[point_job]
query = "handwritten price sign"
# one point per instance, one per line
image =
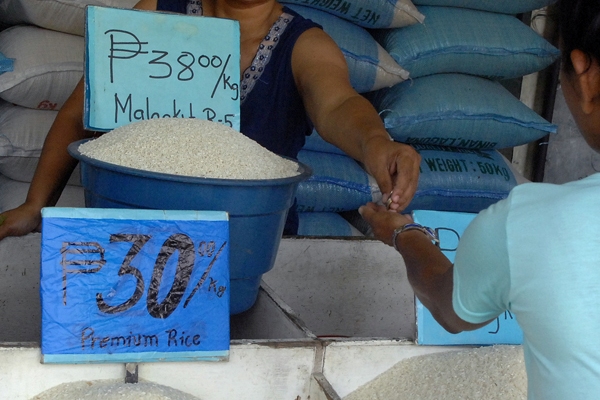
(503, 330)
(141, 65)
(134, 285)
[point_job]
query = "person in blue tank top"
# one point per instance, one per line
(536, 253)
(294, 78)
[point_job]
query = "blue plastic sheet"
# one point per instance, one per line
(134, 285)
(6, 64)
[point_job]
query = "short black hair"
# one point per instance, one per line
(579, 28)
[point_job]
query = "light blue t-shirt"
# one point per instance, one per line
(537, 254)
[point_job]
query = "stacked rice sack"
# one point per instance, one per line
(44, 42)
(452, 109)
(400, 57)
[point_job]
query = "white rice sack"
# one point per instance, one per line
(369, 65)
(47, 66)
(66, 16)
(189, 147)
(13, 194)
(490, 373)
(369, 13)
(22, 135)
(112, 390)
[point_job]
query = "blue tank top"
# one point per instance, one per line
(272, 111)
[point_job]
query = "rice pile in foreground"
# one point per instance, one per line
(485, 373)
(188, 146)
(112, 390)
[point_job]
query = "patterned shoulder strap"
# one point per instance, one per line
(194, 7)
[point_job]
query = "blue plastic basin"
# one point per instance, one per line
(257, 210)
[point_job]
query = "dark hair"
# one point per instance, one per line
(579, 28)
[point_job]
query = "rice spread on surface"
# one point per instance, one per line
(188, 146)
(484, 373)
(111, 389)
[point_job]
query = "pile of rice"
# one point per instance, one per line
(188, 146)
(485, 373)
(112, 390)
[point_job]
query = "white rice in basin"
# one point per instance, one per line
(190, 147)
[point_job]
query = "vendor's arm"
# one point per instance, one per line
(349, 121)
(429, 271)
(54, 168)
(55, 165)
(146, 5)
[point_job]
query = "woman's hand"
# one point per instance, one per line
(383, 221)
(20, 221)
(395, 167)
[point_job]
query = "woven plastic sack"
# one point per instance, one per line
(504, 6)
(22, 135)
(369, 65)
(461, 180)
(66, 16)
(14, 193)
(460, 40)
(465, 180)
(368, 13)
(338, 184)
(458, 110)
(315, 142)
(48, 65)
(325, 224)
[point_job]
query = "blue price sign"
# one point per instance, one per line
(122, 285)
(141, 65)
(503, 330)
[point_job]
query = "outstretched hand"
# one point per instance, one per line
(19, 221)
(395, 167)
(383, 221)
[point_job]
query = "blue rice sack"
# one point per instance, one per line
(338, 183)
(461, 40)
(458, 110)
(464, 180)
(325, 224)
(461, 180)
(503, 6)
(369, 65)
(315, 142)
(368, 13)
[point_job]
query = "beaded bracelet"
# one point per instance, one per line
(418, 227)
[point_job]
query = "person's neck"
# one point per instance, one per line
(255, 16)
